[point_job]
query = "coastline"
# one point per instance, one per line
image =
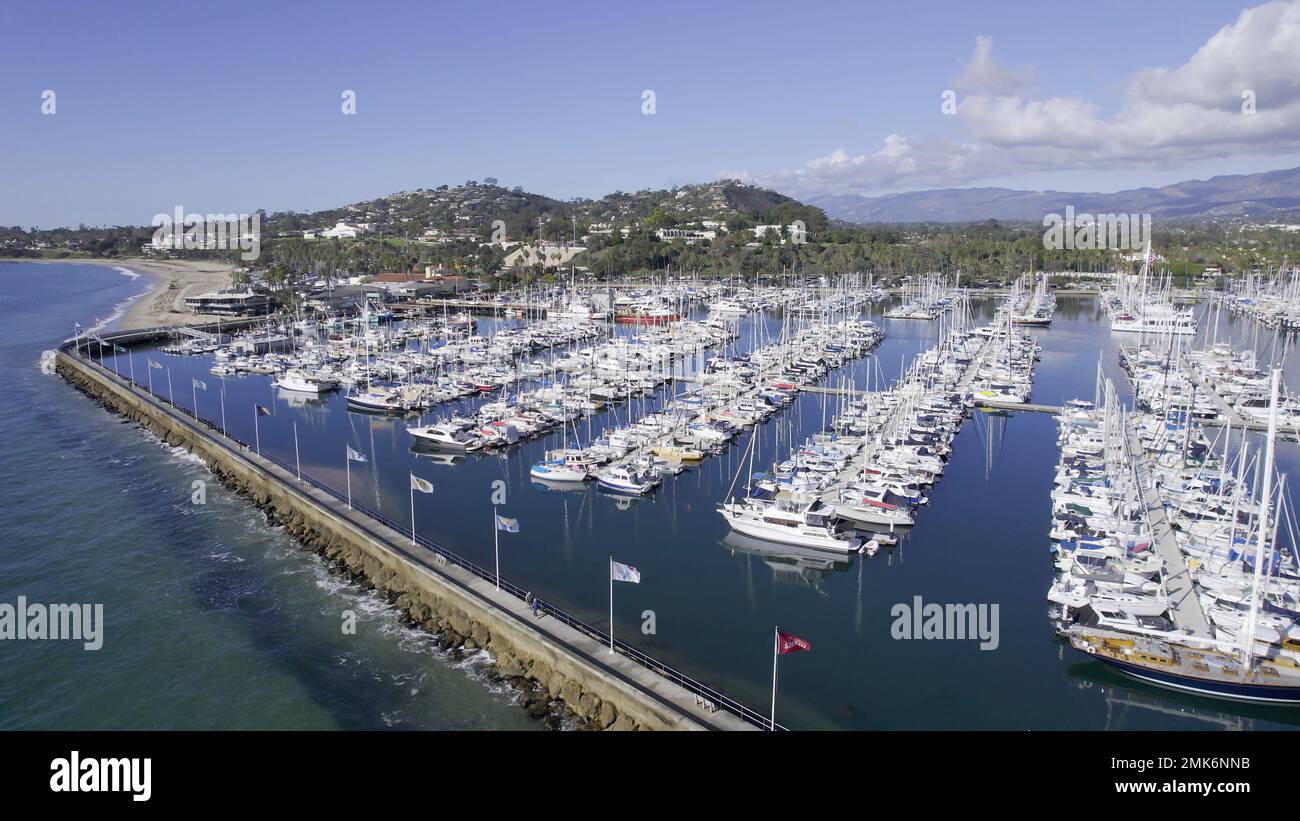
(163, 304)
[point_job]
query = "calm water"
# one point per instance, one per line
(213, 619)
(239, 599)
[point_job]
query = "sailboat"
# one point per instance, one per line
(564, 465)
(1241, 664)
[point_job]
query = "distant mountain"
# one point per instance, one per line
(1237, 195)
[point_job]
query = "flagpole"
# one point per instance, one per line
(776, 646)
(296, 461)
(194, 394)
(130, 360)
(496, 543)
(257, 431)
(150, 370)
(223, 406)
(611, 605)
(411, 489)
(347, 460)
(171, 395)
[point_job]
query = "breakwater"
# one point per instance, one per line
(553, 660)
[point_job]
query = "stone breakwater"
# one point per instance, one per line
(557, 685)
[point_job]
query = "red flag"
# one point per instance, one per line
(791, 644)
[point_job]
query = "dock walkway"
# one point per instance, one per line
(1184, 605)
(695, 706)
(830, 495)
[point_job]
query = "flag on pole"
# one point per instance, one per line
(356, 456)
(198, 383)
(154, 364)
(261, 411)
(620, 572)
(118, 348)
(791, 644)
(422, 485)
(508, 525)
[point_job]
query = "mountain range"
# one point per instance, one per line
(1239, 195)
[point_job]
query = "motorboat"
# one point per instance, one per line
(453, 435)
(303, 382)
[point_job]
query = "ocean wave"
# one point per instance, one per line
(120, 309)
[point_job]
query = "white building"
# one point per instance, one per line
(687, 234)
(345, 230)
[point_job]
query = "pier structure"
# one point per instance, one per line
(606, 682)
(1184, 605)
(830, 495)
(762, 381)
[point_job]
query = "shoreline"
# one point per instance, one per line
(163, 304)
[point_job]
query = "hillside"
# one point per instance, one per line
(468, 210)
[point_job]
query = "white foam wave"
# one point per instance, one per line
(120, 309)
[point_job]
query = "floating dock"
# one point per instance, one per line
(1184, 605)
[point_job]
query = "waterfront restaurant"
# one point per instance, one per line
(230, 302)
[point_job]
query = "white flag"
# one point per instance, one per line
(422, 485)
(153, 364)
(356, 456)
(200, 385)
(620, 572)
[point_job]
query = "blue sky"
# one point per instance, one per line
(235, 106)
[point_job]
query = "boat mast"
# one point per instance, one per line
(1265, 489)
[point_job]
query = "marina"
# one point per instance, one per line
(967, 354)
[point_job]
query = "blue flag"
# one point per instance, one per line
(508, 525)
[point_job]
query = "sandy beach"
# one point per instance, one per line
(174, 280)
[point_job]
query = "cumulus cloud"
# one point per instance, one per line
(1169, 117)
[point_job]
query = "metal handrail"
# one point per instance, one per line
(697, 688)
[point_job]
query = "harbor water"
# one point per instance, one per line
(215, 619)
(212, 619)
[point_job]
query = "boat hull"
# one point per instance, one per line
(780, 535)
(1236, 691)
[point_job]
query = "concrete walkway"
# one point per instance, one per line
(1185, 605)
(694, 711)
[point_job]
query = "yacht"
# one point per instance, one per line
(790, 518)
(622, 479)
(377, 400)
(454, 435)
(296, 380)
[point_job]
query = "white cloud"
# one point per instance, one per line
(1169, 117)
(985, 74)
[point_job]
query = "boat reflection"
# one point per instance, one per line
(1122, 692)
(625, 501)
(789, 563)
(558, 487)
(435, 454)
(448, 459)
(299, 400)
